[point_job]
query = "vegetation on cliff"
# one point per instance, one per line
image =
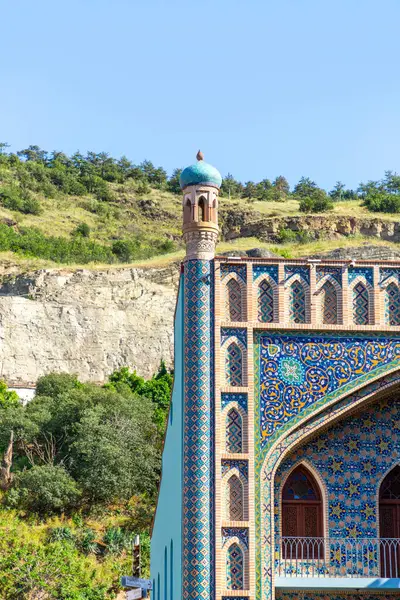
(79, 477)
(94, 208)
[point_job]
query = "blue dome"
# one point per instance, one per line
(200, 173)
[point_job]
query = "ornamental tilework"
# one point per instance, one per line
(233, 301)
(298, 370)
(264, 468)
(291, 270)
(271, 270)
(234, 366)
(234, 499)
(240, 465)
(385, 273)
(360, 304)
(297, 303)
(227, 398)
(197, 465)
(240, 270)
(239, 333)
(234, 568)
(392, 304)
(351, 459)
(329, 303)
(234, 429)
(335, 272)
(231, 532)
(308, 595)
(366, 272)
(265, 302)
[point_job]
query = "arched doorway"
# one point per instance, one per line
(389, 523)
(302, 530)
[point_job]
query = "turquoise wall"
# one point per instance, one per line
(166, 541)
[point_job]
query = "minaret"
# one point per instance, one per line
(200, 184)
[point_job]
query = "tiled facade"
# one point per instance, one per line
(283, 359)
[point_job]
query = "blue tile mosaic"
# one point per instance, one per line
(240, 270)
(335, 272)
(297, 370)
(227, 398)
(366, 272)
(240, 465)
(198, 458)
(385, 273)
(231, 532)
(291, 270)
(239, 333)
(271, 270)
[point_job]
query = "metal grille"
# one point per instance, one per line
(337, 557)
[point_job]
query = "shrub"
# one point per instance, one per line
(7, 397)
(82, 229)
(10, 197)
(31, 206)
(316, 204)
(117, 540)
(46, 489)
(86, 542)
(61, 534)
(382, 202)
(287, 236)
(55, 384)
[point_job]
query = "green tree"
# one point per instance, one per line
(173, 184)
(8, 398)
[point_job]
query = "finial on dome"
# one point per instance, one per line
(200, 155)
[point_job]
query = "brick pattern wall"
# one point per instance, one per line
(313, 275)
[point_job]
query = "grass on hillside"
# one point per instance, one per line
(151, 217)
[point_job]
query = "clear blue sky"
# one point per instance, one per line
(292, 87)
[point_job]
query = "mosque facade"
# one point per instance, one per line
(281, 462)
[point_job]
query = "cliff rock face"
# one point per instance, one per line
(248, 223)
(86, 322)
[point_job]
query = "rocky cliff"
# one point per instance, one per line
(247, 223)
(86, 322)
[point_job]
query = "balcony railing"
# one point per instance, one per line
(337, 557)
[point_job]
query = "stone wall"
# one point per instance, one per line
(86, 322)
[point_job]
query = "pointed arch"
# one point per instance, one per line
(234, 365)
(297, 301)
(234, 499)
(389, 523)
(302, 515)
(233, 300)
(360, 304)
(234, 432)
(234, 567)
(329, 303)
(265, 301)
(202, 209)
(392, 304)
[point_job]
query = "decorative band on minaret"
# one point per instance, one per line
(200, 184)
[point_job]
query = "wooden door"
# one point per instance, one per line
(389, 524)
(301, 517)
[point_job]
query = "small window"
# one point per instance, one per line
(202, 209)
(301, 516)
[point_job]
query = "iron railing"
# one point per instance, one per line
(337, 557)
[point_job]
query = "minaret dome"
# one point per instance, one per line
(200, 184)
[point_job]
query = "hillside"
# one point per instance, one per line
(92, 210)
